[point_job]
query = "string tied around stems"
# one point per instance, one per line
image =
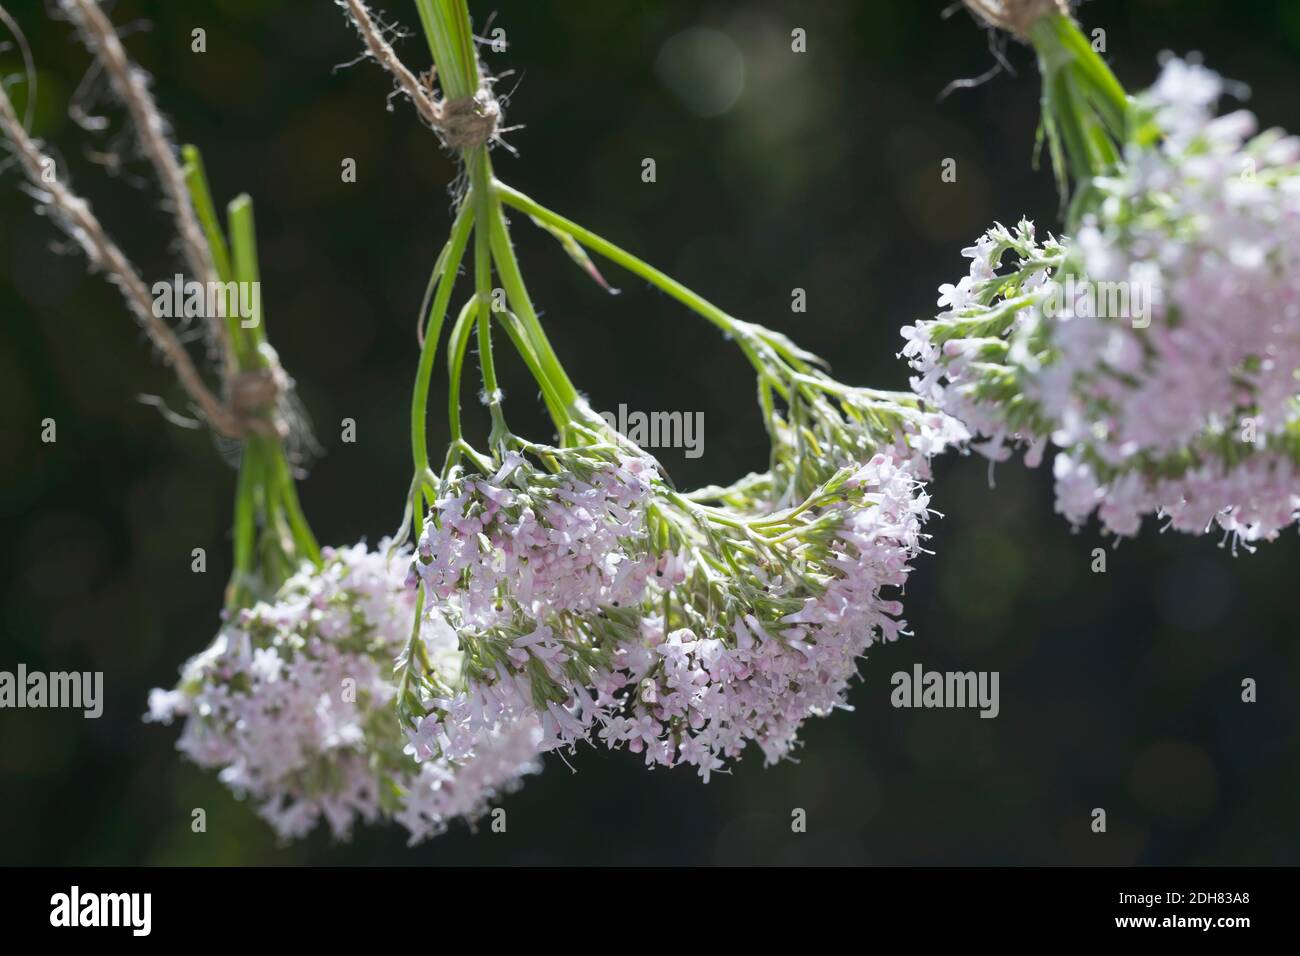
(469, 121)
(254, 400)
(463, 122)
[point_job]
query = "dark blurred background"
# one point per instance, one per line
(775, 170)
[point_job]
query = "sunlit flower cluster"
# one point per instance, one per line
(588, 595)
(293, 702)
(515, 564)
(1159, 349)
(763, 626)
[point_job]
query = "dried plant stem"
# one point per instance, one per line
(382, 51)
(131, 85)
(75, 216)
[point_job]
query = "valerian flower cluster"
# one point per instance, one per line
(293, 703)
(590, 596)
(1158, 349)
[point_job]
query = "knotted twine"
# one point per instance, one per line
(254, 399)
(469, 121)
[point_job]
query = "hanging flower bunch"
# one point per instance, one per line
(293, 703)
(590, 595)
(1158, 348)
(605, 604)
(586, 592)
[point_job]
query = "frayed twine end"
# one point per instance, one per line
(1016, 17)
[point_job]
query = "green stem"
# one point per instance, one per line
(196, 180)
(447, 28)
(455, 251)
(243, 240)
(695, 302)
(515, 330)
(1104, 89)
(517, 293)
(730, 325)
(481, 195)
(245, 529)
(1086, 113)
(303, 537)
(451, 40)
(457, 346)
(266, 496)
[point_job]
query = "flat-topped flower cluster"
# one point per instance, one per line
(588, 594)
(1159, 348)
(293, 702)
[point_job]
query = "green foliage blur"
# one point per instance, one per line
(775, 171)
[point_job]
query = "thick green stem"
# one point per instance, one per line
(1105, 90)
(243, 241)
(1086, 113)
(448, 31)
(265, 492)
(447, 28)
